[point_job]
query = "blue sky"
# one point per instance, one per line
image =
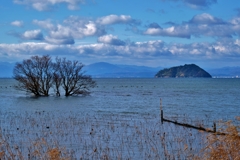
(140, 32)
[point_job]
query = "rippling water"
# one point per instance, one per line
(200, 98)
(119, 118)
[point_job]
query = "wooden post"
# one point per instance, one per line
(161, 110)
(162, 116)
(214, 127)
(160, 103)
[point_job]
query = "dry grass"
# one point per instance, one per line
(38, 150)
(224, 147)
(56, 136)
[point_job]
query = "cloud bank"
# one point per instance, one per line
(75, 28)
(109, 48)
(200, 25)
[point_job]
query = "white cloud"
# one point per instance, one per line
(75, 27)
(48, 4)
(59, 40)
(200, 25)
(17, 52)
(72, 28)
(32, 35)
(60, 32)
(173, 31)
(113, 19)
(72, 31)
(110, 39)
(237, 42)
(17, 23)
(205, 18)
(40, 6)
(46, 24)
(197, 4)
(153, 31)
(235, 22)
(90, 29)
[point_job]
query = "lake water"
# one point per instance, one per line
(200, 98)
(120, 118)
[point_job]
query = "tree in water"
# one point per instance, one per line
(38, 74)
(34, 75)
(73, 79)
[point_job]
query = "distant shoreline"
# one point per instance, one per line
(215, 77)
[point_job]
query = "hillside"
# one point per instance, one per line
(107, 70)
(188, 70)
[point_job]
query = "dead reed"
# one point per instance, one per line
(46, 135)
(226, 146)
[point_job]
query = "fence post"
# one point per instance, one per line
(214, 127)
(162, 116)
(161, 110)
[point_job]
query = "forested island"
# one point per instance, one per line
(188, 70)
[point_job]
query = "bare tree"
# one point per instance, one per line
(57, 83)
(57, 80)
(34, 75)
(38, 74)
(73, 80)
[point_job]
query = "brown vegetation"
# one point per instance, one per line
(73, 136)
(224, 147)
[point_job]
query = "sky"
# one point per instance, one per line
(155, 33)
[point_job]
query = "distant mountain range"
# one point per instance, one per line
(107, 70)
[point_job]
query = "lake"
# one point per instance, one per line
(194, 97)
(120, 117)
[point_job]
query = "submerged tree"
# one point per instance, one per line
(34, 75)
(72, 77)
(38, 74)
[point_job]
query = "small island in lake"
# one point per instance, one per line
(188, 70)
